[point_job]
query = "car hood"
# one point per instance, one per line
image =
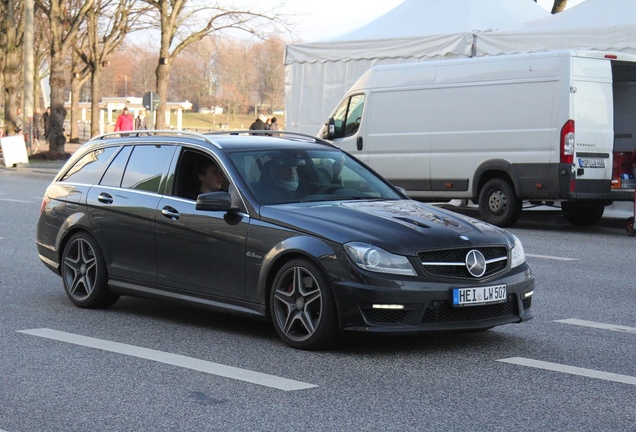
(403, 226)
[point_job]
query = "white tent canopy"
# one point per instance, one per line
(318, 74)
(607, 25)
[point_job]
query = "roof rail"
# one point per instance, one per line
(274, 133)
(207, 135)
(140, 133)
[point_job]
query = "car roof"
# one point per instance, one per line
(225, 140)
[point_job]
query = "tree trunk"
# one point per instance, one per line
(57, 140)
(12, 64)
(163, 78)
(76, 85)
(559, 6)
(95, 97)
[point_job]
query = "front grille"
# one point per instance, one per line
(383, 316)
(444, 312)
(452, 262)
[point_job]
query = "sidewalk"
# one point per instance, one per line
(43, 167)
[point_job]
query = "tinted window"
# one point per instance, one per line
(116, 169)
(89, 168)
(146, 167)
(193, 165)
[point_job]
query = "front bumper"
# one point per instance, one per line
(427, 306)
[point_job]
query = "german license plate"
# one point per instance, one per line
(479, 295)
(591, 163)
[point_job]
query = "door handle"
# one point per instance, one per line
(170, 213)
(105, 198)
(359, 143)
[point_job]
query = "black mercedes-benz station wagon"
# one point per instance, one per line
(286, 228)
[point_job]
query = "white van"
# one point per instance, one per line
(498, 130)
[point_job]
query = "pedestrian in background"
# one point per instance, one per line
(38, 123)
(45, 120)
(260, 123)
(141, 122)
(124, 121)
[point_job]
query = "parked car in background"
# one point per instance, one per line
(299, 233)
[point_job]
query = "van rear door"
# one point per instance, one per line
(593, 113)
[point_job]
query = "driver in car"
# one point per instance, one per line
(286, 185)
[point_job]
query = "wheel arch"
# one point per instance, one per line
(496, 168)
(72, 225)
(310, 248)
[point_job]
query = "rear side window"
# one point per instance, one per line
(147, 166)
(90, 167)
(116, 169)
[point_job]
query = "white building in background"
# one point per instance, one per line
(110, 108)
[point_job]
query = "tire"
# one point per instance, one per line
(582, 216)
(498, 204)
(629, 226)
(84, 273)
(302, 307)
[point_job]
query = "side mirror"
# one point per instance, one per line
(331, 129)
(215, 201)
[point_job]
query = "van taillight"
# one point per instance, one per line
(567, 142)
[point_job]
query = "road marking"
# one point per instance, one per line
(14, 200)
(556, 367)
(597, 325)
(552, 257)
(173, 359)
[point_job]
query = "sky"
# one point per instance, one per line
(325, 19)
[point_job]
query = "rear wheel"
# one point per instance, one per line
(582, 215)
(302, 307)
(498, 203)
(84, 273)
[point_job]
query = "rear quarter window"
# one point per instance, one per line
(90, 167)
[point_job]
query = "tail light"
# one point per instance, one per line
(567, 142)
(45, 202)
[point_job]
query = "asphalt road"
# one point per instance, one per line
(146, 365)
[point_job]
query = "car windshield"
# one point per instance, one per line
(277, 176)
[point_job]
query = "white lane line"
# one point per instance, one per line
(552, 257)
(572, 370)
(173, 359)
(597, 325)
(14, 200)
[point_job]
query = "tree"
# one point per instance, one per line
(559, 6)
(12, 32)
(107, 24)
(181, 25)
(65, 20)
(268, 59)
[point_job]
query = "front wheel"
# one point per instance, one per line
(84, 273)
(582, 216)
(302, 307)
(498, 203)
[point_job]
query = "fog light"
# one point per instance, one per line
(387, 306)
(528, 294)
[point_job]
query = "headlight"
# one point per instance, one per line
(518, 254)
(378, 260)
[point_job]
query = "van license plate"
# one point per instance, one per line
(479, 295)
(591, 163)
